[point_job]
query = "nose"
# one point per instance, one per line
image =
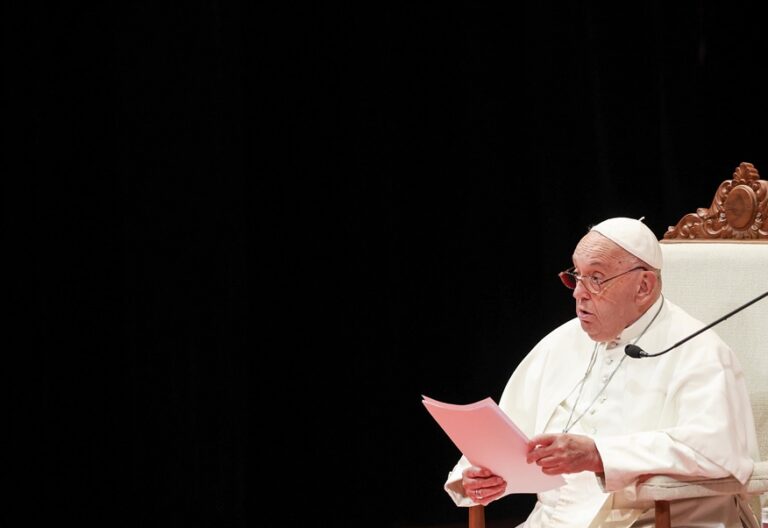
(580, 291)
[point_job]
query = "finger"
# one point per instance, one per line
(495, 491)
(477, 495)
(556, 469)
(486, 495)
(549, 463)
(494, 484)
(538, 453)
(541, 440)
(477, 472)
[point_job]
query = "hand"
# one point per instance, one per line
(481, 485)
(564, 453)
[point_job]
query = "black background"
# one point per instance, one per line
(246, 240)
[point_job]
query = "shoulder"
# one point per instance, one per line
(677, 325)
(681, 323)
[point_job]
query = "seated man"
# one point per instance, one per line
(603, 419)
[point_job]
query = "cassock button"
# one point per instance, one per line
(592, 411)
(609, 360)
(594, 430)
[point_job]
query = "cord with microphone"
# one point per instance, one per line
(636, 352)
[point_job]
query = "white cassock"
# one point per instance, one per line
(683, 413)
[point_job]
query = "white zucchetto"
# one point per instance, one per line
(634, 236)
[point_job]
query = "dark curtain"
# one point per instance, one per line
(249, 238)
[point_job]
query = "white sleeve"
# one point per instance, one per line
(454, 487)
(627, 457)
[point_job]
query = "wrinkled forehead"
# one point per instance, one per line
(595, 249)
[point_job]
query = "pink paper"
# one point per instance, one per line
(489, 438)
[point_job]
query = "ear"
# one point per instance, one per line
(647, 287)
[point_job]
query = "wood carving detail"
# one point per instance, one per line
(738, 211)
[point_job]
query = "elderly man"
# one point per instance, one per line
(603, 419)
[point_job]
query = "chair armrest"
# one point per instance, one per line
(661, 487)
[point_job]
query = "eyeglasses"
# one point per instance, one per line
(591, 283)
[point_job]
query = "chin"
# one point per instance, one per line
(590, 331)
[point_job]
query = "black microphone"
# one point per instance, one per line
(636, 352)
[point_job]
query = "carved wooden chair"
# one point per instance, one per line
(715, 260)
